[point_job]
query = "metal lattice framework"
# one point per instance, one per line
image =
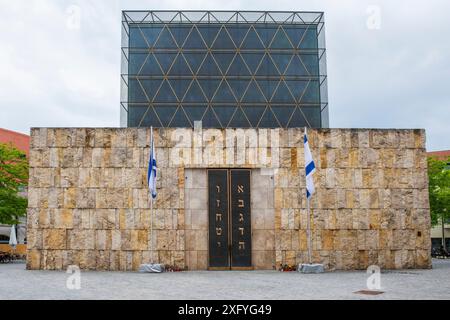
(227, 69)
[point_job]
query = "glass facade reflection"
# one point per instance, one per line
(226, 69)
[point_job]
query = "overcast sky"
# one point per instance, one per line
(388, 61)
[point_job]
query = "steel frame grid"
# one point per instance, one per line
(193, 18)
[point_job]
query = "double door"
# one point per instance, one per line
(229, 219)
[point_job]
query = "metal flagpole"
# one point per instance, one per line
(308, 230)
(151, 229)
(151, 198)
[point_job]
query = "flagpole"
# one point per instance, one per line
(308, 230)
(151, 229)
(151, 202)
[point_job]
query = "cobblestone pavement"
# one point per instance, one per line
(18, 283)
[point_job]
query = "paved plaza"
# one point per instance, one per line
(18, 283)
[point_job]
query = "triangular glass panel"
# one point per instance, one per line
(281, 60)
(296, 68)
(268, 120)
(165, 40)
(151, 67)
(180, 119)
(267, 68)
(210, 120)
(208, 32)
(136, 61)
(312, 114)
(297, 120)
(149, 119)
(253, 114)
(136, 38)
(252, 60)
(209, 67)
(268, 87)
(238, 67)
(194, 94)
(237, 33)
(253, 94)
(180, 86)
(194, 60)
(223, 60)
(252, 40)
(180, 33)
(239, 120)
(224, 93)
(309, 40)
(297, 87)
(223, 40)
(165, 113)
(281, 41)
(311, 62)
(195, 113)
(143, 36)
(224, 113)
(165, 60)
(165, 94)
(295, 34)
(209, 86)
(179, 67)
(151, 86)
(266, 34)
(194, 40)
(135, 92)
(312, 93)
(238, 87)
(282, 95)
(283, 114)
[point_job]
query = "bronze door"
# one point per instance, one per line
(229, 219)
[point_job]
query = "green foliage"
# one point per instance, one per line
(13, 177)
(439, 189)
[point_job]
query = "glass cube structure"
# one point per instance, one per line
(226, 69)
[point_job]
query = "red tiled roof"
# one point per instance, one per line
(19, 140)
(440, 155)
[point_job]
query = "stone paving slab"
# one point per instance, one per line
(18, 283)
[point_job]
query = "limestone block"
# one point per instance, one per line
(81, 239)
(34, 238)
(404, 158)
(116, 239)
(85, 198)
(423, 259)
(33, 259)
(102, 258)
(259, 197)
(69, 177)
(107, 218)
(419, 138)
(118, 157)
(54, 239)
(406, 138)
(369, 158)
(420, 198)
(63, 218)
(103, 239)
(363, 138)
(70, 198)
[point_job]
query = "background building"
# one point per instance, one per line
(225, 68)
(22, 142)
(437, 231)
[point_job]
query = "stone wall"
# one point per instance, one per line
(89, 203)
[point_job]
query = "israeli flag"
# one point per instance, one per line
(151, 175)
(310, 168)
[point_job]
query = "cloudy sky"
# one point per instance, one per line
(388, 61)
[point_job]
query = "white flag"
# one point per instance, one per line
(310, 168)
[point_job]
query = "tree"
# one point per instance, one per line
(13, 178)
(439, 191)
